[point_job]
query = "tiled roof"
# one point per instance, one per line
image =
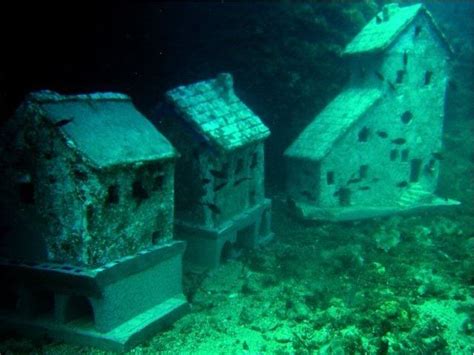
(105, 127)
(385, 27)
(213, 110)
(336, 118)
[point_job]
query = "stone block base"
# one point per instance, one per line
(352, 213)
(207, 247)
(113, 307)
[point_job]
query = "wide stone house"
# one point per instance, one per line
(220, 201)
(87, 254)
(376, 148)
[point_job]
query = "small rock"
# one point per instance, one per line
(283, 334)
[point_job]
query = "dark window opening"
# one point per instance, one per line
(254, 162)
(364, 134)
(406, 117)
(27, 193)
(405, 153)
(81, 175)
(330, 177)
(344, 196)
(428, 76)
(43, 303)
(417, 31)
(415, 170)
(363, 170)
(393, 154)
(430, 167)
(400, 76)
(155, 237)
(225, 168)
(252, 197)
(138, 191)
(79, 308)
(89, 213)
(112, 195)
(158, 182)
(239, 166)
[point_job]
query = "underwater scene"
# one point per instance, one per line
(231, 177)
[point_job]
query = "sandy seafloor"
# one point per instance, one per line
(391, 285)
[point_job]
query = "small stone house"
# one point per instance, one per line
(220, 174)
(87, 209)
(376, 148)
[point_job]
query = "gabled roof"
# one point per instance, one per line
(385, 27)
(214, 111)
(332, 123)
(105, 127)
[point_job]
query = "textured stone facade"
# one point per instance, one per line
(93, 173)
(377, 145)
(220, 173)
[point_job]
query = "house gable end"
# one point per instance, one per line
(384, 29)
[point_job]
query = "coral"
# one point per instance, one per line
(388, 236)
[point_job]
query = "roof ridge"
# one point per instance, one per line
(386, 26)
(47, 96)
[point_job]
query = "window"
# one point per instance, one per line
(330, 177)
(239, 166)
(428, 76)
(364, 134)
(155, 237)
(138, 191)
(417, 31)
(406, 117)
(344, 196)
(112, 195)
(254, 161)
(400, 76)
(393, 154)
(415, 168)
(405, 153)
(158, 182)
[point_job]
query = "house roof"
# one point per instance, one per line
(214, 111)
(104, 127)
(385, 27)
(336, 118)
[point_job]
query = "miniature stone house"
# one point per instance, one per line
(87, 221)
(376, 148)
(219, 196)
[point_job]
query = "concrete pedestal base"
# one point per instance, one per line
(207, 247)
(351, 213)
(113, 307)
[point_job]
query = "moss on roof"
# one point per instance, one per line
(385, 27)
(336, 118)
(106, 128)
(213, 110)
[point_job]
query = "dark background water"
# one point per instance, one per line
(284, 56)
